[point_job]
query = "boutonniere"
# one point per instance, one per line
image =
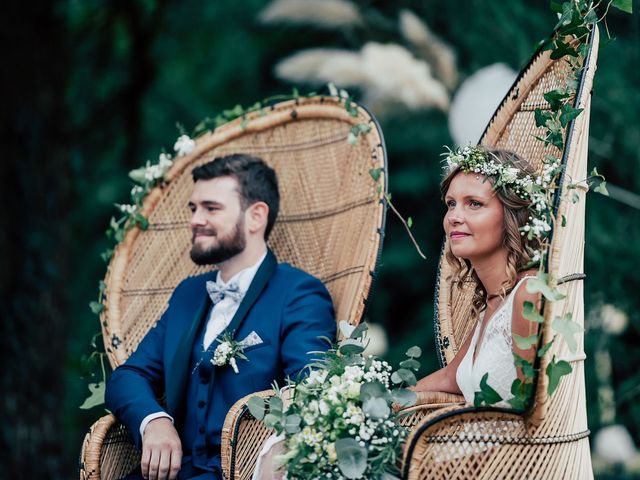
(227, 352)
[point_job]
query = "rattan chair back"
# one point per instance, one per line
(551, 440)
(330, 223)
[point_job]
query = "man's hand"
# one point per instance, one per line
(161, 450)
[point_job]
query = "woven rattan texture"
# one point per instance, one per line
(109, 447)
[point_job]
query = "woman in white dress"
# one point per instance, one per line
(487, 194)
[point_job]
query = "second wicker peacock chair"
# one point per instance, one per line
(331, 224)
(550, 440)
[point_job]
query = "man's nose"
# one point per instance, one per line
(197, 218)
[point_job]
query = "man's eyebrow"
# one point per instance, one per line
(206, 203)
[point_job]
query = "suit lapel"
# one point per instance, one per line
(257, 286)
(180, 364)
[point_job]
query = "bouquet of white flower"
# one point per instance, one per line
(340, 422)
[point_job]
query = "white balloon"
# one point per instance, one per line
(614, 444)
(476, 101)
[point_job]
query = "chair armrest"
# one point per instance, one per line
(107, 451)
(457, 434)
(426, 403)
(242, 439)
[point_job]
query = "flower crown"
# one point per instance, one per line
(538, 190)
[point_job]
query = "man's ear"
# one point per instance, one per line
(257, 217)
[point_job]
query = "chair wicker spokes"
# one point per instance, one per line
(330, 224)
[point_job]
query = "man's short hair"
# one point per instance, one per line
(256, 180)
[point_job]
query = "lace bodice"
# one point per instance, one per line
(495, 354)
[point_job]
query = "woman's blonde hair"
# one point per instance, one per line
(516, 214)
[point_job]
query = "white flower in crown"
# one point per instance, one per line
(510, 174)
(227, 352)
(184, 145)
(165, 161)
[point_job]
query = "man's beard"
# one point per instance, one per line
(226, 248)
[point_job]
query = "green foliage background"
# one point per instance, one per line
(93, 88)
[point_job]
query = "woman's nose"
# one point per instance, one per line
(455, 216)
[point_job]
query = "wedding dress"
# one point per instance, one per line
(495, 354)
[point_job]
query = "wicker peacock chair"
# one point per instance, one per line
(550, 440)
(331, 225)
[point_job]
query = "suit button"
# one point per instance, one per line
(201, 403)
(201, 429)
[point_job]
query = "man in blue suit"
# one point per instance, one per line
(276, 312)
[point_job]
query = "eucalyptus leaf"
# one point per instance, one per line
(410, 364)
(373, 389)
(525, 343)
(275, 404)
(256, 407)
(403, 375)
(359, 331)
(566, 327)
(292, 423)
(376, 408)
(271, 420)
(350, 347)
(352, 458)
(414, 352)
(404, 397)
(96, 397)
(555, 371)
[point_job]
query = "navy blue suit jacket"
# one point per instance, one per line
(288, 308)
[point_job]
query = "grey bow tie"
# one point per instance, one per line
(218, 292)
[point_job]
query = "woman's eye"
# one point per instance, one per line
(451, 204)
(475, 204)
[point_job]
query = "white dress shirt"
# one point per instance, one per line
(219, 318)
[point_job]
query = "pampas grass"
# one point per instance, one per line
(389, 76)
(435, 51)
(319, 13)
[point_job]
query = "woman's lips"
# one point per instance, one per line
(458, 235)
